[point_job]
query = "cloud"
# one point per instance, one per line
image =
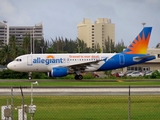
(6, 8)
(152, 1)
(12, 14)
(60, 17)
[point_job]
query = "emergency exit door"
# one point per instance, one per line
(121, 59)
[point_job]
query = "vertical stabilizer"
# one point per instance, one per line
(140, 43)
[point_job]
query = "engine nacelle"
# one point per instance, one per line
(58, 72)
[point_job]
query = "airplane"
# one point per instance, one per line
(59, 65)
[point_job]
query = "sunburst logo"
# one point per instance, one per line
(139, 45)
(50, 56)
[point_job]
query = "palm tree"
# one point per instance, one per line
(5, 55)
(26, 44)
(12, 41)
(12, 46)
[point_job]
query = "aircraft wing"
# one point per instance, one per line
(143, 57)
(80, 65)
(83, 63)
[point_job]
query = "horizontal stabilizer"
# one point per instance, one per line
(143, 57)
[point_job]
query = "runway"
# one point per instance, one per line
(83, 91)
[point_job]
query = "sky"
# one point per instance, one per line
(61, 17)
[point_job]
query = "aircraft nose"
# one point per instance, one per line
(10, 66)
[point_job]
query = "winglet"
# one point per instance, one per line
(140, 43)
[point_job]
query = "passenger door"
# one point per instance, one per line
(29, 60)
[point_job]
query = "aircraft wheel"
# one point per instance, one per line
(29, 77)
(80, 77)
(76, 77)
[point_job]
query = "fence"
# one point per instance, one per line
(128, 106)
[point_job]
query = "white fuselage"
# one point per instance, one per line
(45, 62)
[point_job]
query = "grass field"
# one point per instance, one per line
(114, 82)
(90, 107)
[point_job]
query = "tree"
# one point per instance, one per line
(81, 46)
(108, 46)
(13, 48)
(5, 55)
(119, 47)
(97, 48)
(26, 44)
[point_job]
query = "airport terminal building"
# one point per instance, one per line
(150, 65)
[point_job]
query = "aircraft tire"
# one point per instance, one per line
(80, 77)
(29, 77)
(76, 77)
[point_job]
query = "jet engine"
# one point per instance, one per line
(58, 72)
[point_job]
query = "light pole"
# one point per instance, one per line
(33, 40)
(22, 103)
(41, 49)
(31, 48)
(32, 83)
(30, 42)
(32, 107)
(143, 24)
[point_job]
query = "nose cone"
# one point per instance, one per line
(10, 66)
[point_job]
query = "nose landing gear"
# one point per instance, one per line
(30, 76)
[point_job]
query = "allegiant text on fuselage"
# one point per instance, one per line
(47, 61)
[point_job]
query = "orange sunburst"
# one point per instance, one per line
(50, 56)
(139, 46)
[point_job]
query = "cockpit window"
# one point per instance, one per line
(18, 59)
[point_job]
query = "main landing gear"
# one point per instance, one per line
(78, 77)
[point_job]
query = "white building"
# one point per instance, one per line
(35, 32)
(4, 34)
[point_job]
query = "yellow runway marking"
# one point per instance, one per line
(120, 80)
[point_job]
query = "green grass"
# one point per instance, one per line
(88, 107)
(115, 82)
(91, 107)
